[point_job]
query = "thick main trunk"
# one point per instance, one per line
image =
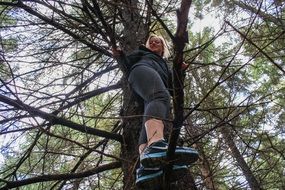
(134, 33)
(131, 129)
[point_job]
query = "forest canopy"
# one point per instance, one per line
(68, 119)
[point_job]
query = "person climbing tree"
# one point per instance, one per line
(150, 78)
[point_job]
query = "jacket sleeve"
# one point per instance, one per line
(127, 61)
(123, 61)
(170, 83)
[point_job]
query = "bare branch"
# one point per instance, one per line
(55, 177)
(57, 120)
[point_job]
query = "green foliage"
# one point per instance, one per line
(6, 44)
(257, 88)
(216, 3)
(9, 45)
(200, 6)
(5, 16)
(6, 20)
(4, 70)
(230, 87)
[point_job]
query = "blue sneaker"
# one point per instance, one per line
(152, 178)
(155, 155)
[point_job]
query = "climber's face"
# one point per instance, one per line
(156, 45)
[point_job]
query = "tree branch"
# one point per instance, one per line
(160, 20)
(181, 38)
(57, 25)
(263, 15)
(57, 120)
(260, 49)
(67, 176)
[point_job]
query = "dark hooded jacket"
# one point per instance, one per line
(144, 56)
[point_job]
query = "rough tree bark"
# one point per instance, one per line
(203, 162)
(229, 140)
(134, 33)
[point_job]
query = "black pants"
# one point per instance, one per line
(147, 83)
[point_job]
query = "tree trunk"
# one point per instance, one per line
(131, 129)
(228, 137)
(206, 171)
(186, 183)
(265, 16)
(135, 33)
(203, 162)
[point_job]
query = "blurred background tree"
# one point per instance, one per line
(68, 119)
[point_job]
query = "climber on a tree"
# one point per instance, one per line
(151, 79)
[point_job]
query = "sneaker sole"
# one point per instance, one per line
(181, 157)
(154, 181)
(150, 181)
